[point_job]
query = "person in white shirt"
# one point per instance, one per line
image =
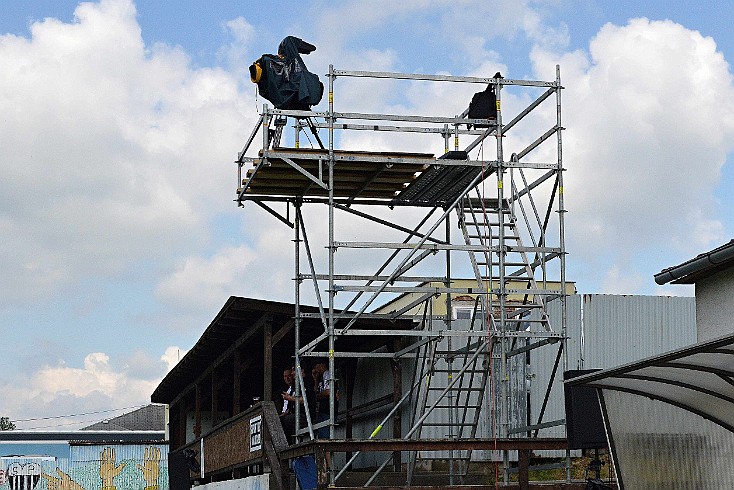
(288, 378)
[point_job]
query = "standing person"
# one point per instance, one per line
(307, 400)
(289, 377)
(287, 416)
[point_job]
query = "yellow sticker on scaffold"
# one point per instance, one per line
(499, 184)
(331, 353)
(560, 190)
(498, 105)
(331, 97)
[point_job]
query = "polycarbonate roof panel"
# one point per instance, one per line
(699, 378)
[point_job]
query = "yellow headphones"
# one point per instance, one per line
(256, 72)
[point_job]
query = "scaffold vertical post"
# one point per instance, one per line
(332, 251)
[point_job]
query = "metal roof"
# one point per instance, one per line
(150, 417)
(698, 378)
(699, 267)
(82, 436)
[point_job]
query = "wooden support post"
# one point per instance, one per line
(215, 400)
(322, 469)
(523, 463)
(397, 394)
(351, 372)
(274, 441)
(268, 360)
(181, 423)
(237, 387)
(197, 412)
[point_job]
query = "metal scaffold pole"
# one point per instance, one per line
(332, 251)
(562, 240)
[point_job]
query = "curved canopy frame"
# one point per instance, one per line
(698, 378)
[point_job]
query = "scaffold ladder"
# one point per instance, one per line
(451, 398)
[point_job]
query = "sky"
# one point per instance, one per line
(120, 122)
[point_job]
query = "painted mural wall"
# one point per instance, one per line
(89, 467)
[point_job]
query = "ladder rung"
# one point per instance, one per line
(457, 460)
(454, 390)
(528, 305)
(494, 237)
(475, 373)
(482, 223)
(470, 371)
(462, 407)
(518, 278)
(507, 264)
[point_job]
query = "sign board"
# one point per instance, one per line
(256, 433)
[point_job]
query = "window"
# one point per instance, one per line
(462, 312)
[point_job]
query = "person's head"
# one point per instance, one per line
(288, 376)
(318, 371)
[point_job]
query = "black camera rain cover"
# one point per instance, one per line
(284, 79)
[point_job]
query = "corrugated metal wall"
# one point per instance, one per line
(606, 331)
(542, 361)
(603, 330)
(622, 329)
(374, 379)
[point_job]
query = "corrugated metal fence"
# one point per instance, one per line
(607, 331)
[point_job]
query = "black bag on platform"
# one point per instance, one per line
(484, 104)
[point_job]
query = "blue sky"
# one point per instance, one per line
(121, 120)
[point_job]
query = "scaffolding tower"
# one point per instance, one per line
(487, 210)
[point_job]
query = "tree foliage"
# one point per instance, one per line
(6, 424)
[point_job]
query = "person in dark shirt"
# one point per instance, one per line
(322, 378)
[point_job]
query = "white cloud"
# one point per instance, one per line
(238, 52)
(650, 118)
(204, 283)
(619, 281)
(114, 153)
(63, 390)
(172, 355)
(263, 271)
(686, 290)
(118, 154)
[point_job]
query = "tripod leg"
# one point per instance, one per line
(314, 132)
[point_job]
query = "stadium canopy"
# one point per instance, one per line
(670, 418)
